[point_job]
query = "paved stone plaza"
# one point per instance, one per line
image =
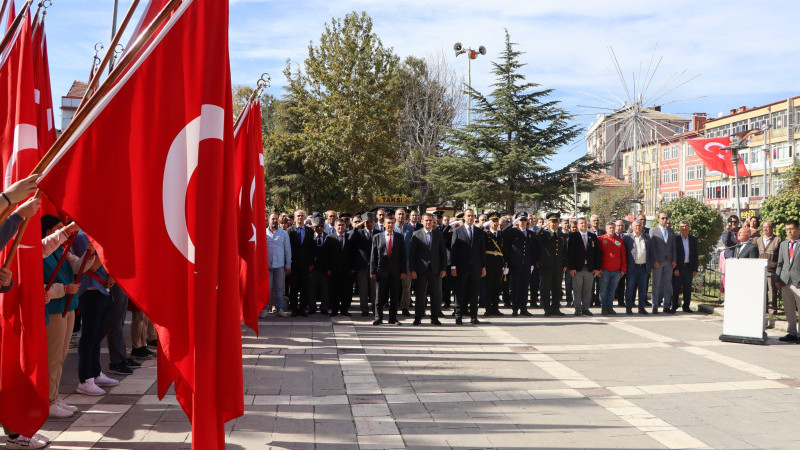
(571, 382)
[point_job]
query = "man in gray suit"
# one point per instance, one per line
(428, 266)
(662, 238)
(789, 278)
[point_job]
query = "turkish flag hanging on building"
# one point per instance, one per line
(23, 346)
(149, 174)
(715, 157)
(253, 264)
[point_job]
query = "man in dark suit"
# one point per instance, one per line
(789, 278)
(746, 248)
(520, 254)
(318, 270)
(686, 258)
(663, 239)
(428, 267)
(768, 245)
(552, 247)
(583, 263)
(640, 258)
(338, 254)
(388, 267)
(467, 266)
(361, 240)
(301, 239)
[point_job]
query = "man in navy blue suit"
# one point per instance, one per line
(467, 266)
(388, 267)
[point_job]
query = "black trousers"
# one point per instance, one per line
(535, 282)
(447, 289)
(493, 283)
(551, 289)
(682, 284)
(298, 291)
(428, 281)
(94, 315)
(340, 291)
(467, 285)
(389, 288)
(520, 277)
(619, 294)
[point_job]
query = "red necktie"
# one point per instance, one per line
(791, 250)
(389, 248)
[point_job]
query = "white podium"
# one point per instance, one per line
(745, 295)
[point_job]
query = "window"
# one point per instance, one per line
(717, 189)
(755, 186)
(689, 173)
(689, 149)
(664, 153)
(779, 119)
(777, 184)
(781, 151)
(744, 156)
(654, 156)
(699, 171)
(696, 194)
(665, 176)
(756, 155)
(674, 175)
(627, 160)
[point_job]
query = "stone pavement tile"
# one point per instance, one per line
(101, 416)
(334, 432)
(256, 418)
(271, 399)
(245, 440)
(402, 398)
(381, 441)
(409, 411)
(565, 331)
(687, 329)
(375, 426)
(78, 437)
(311, 400)
(335, 412)
(169, 432)
(468, 440)
(370, 410)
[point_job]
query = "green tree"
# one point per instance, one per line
(611, 202)
(785, 204)
(705, 223)
(501, 157)
(338, 144)
(241, 94)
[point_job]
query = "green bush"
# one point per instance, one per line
(705, 223)
(780, 208)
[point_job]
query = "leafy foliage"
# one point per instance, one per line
(705, 223)
(501, 156)
(336, 137)
(612, 202)
(785, 204)
(268, 103)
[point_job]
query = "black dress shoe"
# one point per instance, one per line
(586, 312)
(346, 313)
(669, 311)
(611, 312)
(475, 321)
(364, 313)
(578, 313)
(525, 313)
(498, 313)
(558, 313)
(655, 311)
(788, 338)
(643, 311)
(417, 322)
(392, 321)
(406, 313)
(687, 310)
(458, 321)
(514, 313)
(377, 322)
(435, 322)
(441, 314)
(334, 314)
(646, 303)
(629, 311)
(486, 314)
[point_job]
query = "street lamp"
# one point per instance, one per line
(575, 172)
(471, 54)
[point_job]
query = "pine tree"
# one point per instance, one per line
(501, 157)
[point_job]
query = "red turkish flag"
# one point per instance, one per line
(717, 159)
(12, 14)
(148, 15)
(44, 101)
(253, 265)
(23, 342)
(149, 174)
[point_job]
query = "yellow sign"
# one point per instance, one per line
(393, 200)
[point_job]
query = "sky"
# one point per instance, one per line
(712, 56)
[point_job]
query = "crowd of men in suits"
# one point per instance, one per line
(484, 260)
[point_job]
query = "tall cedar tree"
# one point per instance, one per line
(335, 144)
(500, 159)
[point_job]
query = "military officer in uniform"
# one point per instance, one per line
(552, 247)
(520, 256)
(494, 267)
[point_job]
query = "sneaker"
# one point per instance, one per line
(57, 412)
(63, 405)
(103, 380)
(89, 388)
(119, 369)
(280, 313)
(141, 353)
(25, 442)
(263, 314)
(133, 365)
(152, 343)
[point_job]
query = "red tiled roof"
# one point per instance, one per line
(606, 180)
(77, 90)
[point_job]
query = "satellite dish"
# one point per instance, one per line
(457, 47)
(482, 50)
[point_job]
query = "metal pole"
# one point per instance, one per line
(469, 86)
(113, 31)
(635, 155)
(575, 185)
(766, 156)
(735, 159)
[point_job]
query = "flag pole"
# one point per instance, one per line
(109, 53)
(260, 85)
(103, 89)
(14, 25)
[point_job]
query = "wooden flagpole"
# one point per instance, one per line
(14, 25)
(90, 103)
(109, 54)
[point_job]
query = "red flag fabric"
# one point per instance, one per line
(715, 158)
(12, 14)
(23, 342)
(149, 174)
(44, 101)
(148, 15)
(253, 265)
